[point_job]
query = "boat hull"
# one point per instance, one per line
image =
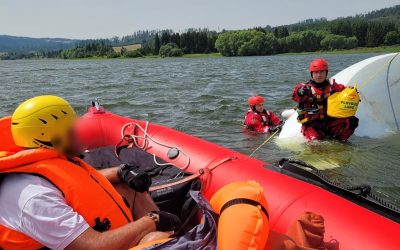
(351, 225)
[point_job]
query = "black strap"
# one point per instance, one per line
(193, 211)
(243, 201)
(268, 120)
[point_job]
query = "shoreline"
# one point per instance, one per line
(359, 50)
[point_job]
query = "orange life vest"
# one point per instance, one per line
(87, 191)
(314, 108)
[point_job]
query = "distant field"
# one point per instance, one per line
(128, 47)
(209, 55)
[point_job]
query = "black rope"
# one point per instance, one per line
(365, 191)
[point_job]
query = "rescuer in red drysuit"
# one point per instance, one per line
(311, 98)
(259, 119)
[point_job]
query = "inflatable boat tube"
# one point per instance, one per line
(354, 224)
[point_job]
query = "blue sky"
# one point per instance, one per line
(107, 18)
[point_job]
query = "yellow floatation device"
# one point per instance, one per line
(344, 104)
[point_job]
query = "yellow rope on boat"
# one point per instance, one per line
(265, 142)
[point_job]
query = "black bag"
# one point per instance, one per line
(201, 237)
(171, 199)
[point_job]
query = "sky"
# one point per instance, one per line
(82, 19)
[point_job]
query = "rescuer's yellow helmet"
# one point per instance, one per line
(43, 122)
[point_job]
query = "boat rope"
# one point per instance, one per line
(389, 93)
(265, 142)
(193, 176)
(365, 191)
(133, 138)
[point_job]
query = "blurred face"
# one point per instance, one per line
(319, 76)
(74, 146)
(259, 107)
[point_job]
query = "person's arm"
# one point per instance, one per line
(248, 119)
(111, 174)
(135, 179)
(254, 123)
(47, 218)
(121, 238)
(275, 121)
(295, 95)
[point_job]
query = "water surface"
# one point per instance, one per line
(206, 98)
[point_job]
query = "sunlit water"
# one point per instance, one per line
(207, 98)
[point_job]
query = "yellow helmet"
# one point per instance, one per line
(43, 121)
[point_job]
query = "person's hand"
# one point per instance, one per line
(138, 181)
(276, 128)
(303, 91)
(168, 222)
(266, 129)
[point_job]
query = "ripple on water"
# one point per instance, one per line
(206, 98)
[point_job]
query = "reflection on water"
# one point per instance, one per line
(207, 98)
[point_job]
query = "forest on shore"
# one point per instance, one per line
(374, 29)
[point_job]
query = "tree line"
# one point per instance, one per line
(259, 42)
(87, 50)
(373, 29)
(335, 35)
(190, 42)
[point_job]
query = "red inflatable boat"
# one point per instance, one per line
(353, 222)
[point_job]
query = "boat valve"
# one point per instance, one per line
(173, 153)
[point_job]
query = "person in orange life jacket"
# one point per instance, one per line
(311, 98)
(259, 119)
(52, 199)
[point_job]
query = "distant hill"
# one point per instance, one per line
(391, 14)
(28, 45)
(362, 26)
(24, 45)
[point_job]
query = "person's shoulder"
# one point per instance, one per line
(26, 186)
(269, 112)
(17, 191)
(300, 84)
(21, 179)
(251, 113)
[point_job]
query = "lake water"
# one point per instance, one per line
(207, 98)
